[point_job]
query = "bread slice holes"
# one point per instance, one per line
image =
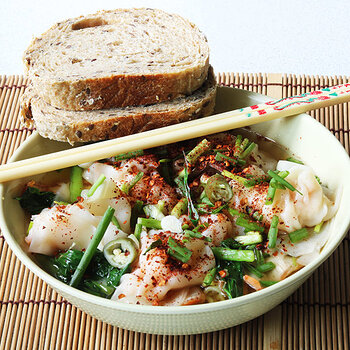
(89, 23)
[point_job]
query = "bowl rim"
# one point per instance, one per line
(302, 274)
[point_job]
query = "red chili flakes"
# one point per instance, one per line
(223, 273)
(120, 296)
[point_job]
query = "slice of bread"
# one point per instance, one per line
(84, 126)
(118, 58)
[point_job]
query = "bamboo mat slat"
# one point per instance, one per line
(316, 316)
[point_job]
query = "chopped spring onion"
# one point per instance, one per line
(29, 227)
(91, 249)
(298, 235)
(217, 189)
(253, 270)
(255, 181)
(248, 150)
(318, 227)
(267, 283)
(249, 225)
(250, 238)
(178, 252)
(76, 183)
(126, 187)
(272, 188)
(266, 267)
(282, 181)
(244, 145)
(115, 222)
(259, 256)
(138, 230)
(136, 211)
(94, 187)
(180, 208)
(291, 159)
(128, 155)
(237, 178)
(209, 277)
(233, 254)
(193, 155)
(196, 234)
(318, 179)
(164, 160)
(153, 245)
(233, 212)
(150, 223)
(238, 145)
(272, 235)
(153, 211)
(221, 157)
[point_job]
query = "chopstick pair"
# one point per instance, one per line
(200, 127)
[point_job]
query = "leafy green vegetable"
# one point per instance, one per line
(234, 270)
(100, 278)
(34, 201)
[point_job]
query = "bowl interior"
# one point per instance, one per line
(301, 135)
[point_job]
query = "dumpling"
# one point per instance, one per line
(62, 227)
(220, 227)
(308, 209)
(156, 275)
(293, 209)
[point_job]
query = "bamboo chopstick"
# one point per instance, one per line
(217, 123)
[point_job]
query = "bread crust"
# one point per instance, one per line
(86, 126)
(115, 89)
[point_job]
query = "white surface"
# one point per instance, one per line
(245, 36)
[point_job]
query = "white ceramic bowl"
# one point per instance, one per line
(305, 137)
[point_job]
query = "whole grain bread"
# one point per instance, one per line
(118, 58)
(83, 126)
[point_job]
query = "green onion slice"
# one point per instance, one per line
(91, 249)
(273, 231)
(249, 225)
(209, 277)
(282, 181)
(193, 155)
(126, 187)
(298, 235)
(98, 183)
(76, 183)
(233, 254)
(150, 223)
(129, 155)
(178, 252)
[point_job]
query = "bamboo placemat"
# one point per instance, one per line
(317, 316)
